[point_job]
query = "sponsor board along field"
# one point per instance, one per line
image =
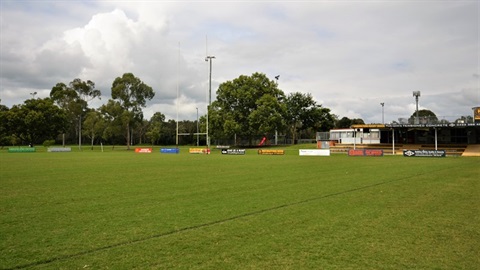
(125, 210)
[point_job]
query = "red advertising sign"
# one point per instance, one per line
(355, 152)
(373, 152)
(365, 152)
(143, 150)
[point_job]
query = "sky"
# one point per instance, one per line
(351, 56)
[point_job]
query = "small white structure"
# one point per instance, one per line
(355, 136)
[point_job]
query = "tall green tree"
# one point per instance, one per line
(4, 131)
(35, 121)
(154, 131)
(346, 122)
(85, 89)
(68, 100)
(93, 125)
(141, 129)
(304, 113)
(248, 106)
(132, 94)
(116, 118)
(74, 99)
(465, 119)
(425, 116)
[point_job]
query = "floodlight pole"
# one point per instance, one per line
(383, 119)
(209, 59)
(276, 131)
(416, 94)
(197, 128)
(33, 95)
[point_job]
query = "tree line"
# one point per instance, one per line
(247, 109)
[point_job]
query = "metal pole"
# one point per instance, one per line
(416, 94)
(197, 128)
(176, 105)
(80, 133)
(418, 120)
(354, 138)
(209, 58)
(210, 84)
(393, 141)
(383, 119)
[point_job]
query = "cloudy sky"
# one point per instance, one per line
(350, 55)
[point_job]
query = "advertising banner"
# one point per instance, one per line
(143, 150)
(22, 150)
(314, 152)
(271, 152)
(169, 150)
(424, 153)
(233, 151)
(356, 152)
(374, 152)
(365, 152)
(199, 151)
(59, 149)
(476, 114)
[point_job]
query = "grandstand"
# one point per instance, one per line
(456, 138)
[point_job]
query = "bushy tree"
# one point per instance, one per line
(93, 125)
(116, 118)
(304, 113)
(154, 131)
(4, 131)
(35, 121)
(248, 106)
(73, 100)
(346, 122)
(132, 95)
(425, 116)
(465, 119)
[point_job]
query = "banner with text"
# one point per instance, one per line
(59, 149)
(22, 150)
(199, 151)
(365, 152)
(314, 152)
(169, 150)
(271, 152)
(424, 153)
(143, 150)
(233, 151)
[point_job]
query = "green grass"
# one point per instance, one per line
(122, 210)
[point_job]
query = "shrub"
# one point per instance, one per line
(48, 143)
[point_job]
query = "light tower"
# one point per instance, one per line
(383, 119)
(209, 59)
(416, 94)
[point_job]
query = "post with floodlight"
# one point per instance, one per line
(33, 95)
(197, 128)
(416, 94)
(209, 59)
(383, 119)
(276, 131)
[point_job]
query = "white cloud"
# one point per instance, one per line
(350, 55)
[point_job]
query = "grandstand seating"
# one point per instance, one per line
(452, 149)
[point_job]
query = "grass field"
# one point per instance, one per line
(121, 210)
